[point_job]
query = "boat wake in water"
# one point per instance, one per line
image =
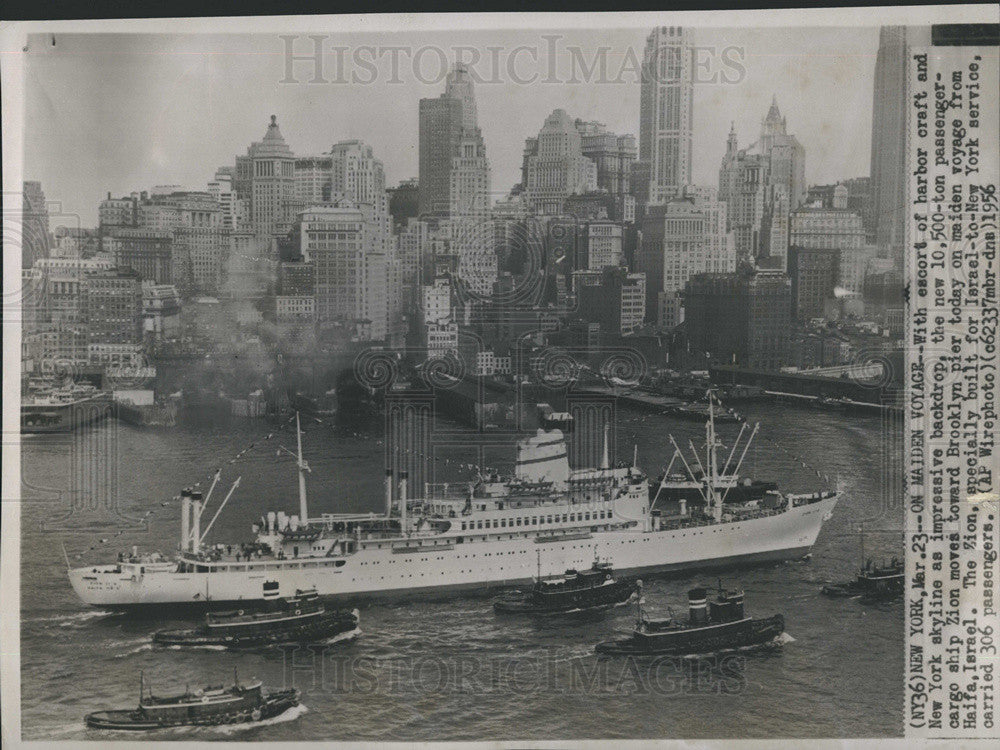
(291, 714)
(351, 635)
(75, 619)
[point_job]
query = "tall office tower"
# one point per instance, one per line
(265, 178)
(687, 236)
(312, 181)
(113, 305)
(355, 173)
(200, 240)
(554, 166)
(761, 184)
(666, 108)
(450, 142)
(741, 318)
(786, 156)
(34, 217)
(454, 180)
(888, 162)
(221, 188)
(613, 154)
(342, 241)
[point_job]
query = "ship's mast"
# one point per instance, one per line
(711, 459)
(303, 468)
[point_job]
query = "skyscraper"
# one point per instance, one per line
(454, 180)
(454, 173)
(685, 237)
(554, 166)
(265, 177)
(666, 107)
(34, 224)
(740, 318)
(339, 239)
(888, 162)
(761, 184)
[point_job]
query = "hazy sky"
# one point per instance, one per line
(125, 112)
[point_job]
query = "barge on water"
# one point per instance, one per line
(721, 625)
(298, 619)
(576, 591)
(210, 706)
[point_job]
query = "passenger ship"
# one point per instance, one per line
(485, 534)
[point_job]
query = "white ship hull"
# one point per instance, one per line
(384, 572)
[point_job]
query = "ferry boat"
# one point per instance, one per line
(298, 619)
(456, 538)
(577, 591)
(209, 706)
(717, 626)
(63, 409)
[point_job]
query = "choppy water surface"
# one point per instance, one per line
(451, 669)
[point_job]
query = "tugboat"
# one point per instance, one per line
(210, 706)
(298, 619)
(874, 583)
(576, 591)
(712, 626)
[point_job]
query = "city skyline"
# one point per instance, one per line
(206, 125)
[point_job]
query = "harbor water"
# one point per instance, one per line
(449, 668)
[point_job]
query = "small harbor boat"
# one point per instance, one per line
(872, 583)
(576, 591)
(715, 626)
(210, 706)
(298, 619)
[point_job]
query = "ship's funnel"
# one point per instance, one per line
(282, 520)
(271, 517)
(293, 523)
(542, 458)
(698, 603)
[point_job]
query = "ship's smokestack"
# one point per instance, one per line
(698, 603)
(197, 506)
(402, 499)
(388, 491)
(185, 520)
(605, 457)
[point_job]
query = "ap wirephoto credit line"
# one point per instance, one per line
(510, 380)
